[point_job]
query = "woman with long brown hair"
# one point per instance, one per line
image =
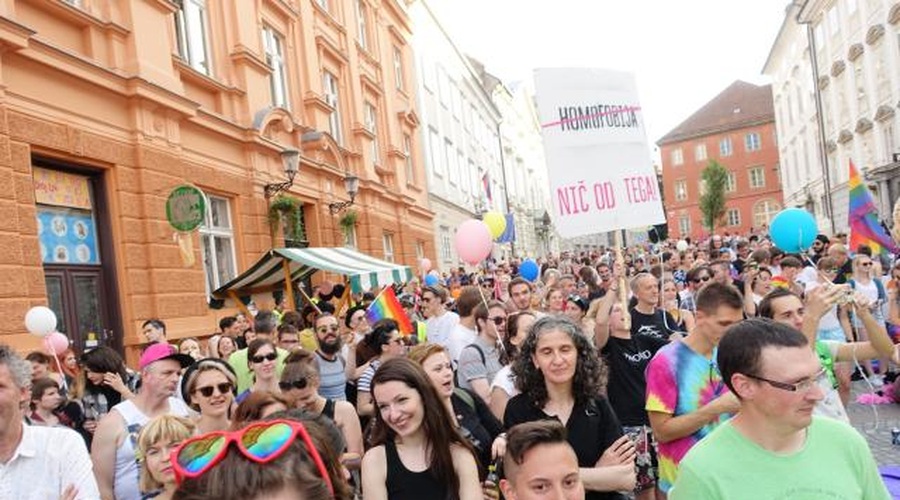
(417, 452)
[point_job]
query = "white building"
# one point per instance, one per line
(459, 131)
(857, 50)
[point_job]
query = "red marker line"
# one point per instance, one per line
(589, 117)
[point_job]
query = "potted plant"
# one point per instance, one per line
(286, 210)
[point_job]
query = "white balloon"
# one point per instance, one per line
(40, 321)
(681, 246)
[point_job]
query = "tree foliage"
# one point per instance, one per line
(712, 201)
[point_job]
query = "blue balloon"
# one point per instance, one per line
(529, 270)
(793, 230)
(431, 280)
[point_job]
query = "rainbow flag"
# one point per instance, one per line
(779, 282)
(386, 306)
(865, 229)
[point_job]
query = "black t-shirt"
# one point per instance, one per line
(652, 325)
(591, 429)
(627, 360)
(478, 425)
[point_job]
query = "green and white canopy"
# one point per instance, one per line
(363, 271)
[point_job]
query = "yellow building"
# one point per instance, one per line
(107, 106)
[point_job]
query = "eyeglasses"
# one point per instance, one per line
(264, 357)
(802, 386)
(261, 442)
(207, 391)
(702, 279)
(293, 384)
(865, 264)
(326, 329)
(498, 320)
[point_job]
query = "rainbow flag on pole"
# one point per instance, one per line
(386, 306)
(865, 229)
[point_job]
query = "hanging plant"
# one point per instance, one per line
(348, 220)
(287, 209)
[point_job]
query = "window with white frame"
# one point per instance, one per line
(217, 238)
(274, 47)
(191, 29)
(465, 175)
(446, 249)
(372, 126)
(408, 159)
(362, 24)
(725, 148)
(701, 187)
(757, 177)
(700, 152)
(752, 142)
(731, 182)
(834, 25)
(851, 7)
(324, 5)
(388, 240)
(443, 85)
(764, 211)
(887, 135)
(398, 68)
(681, 192)
(862, 100)
(684, 225)
(733, 217)
(450, 159)
(420, 250)
(677, 157)
(434, 157)
(350, 237)
(819, 34)
(332, 98)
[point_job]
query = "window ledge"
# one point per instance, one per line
(79, 17)
(188, 72)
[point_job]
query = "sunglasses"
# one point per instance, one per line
(261, 442)
(207, 391)
(703, 279)
(498, 320)
(294, 384)
(866, 264)
(264, 357)
(326, 329)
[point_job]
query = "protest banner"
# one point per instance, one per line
(601, 176)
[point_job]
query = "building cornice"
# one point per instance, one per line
(717, 130)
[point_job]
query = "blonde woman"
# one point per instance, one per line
(155, 444)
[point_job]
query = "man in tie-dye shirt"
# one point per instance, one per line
(686, 398)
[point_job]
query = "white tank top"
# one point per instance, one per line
(126, 483)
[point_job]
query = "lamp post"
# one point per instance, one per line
(351, 185)
(290, 157)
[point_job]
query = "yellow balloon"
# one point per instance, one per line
(496, 222)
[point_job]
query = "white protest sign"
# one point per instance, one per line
(601, 177)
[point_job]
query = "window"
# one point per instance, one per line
(442, 83)
(887, 135)
(398, 68)
(446, 249)
(372, 126)
(434, 157)
(764, 211)
(191, 30)
(420, 250)
(684, 225)
(700, 152)
(862, 102)
(407, 153)
(465, 175)
(834, 26)
(731, 182)
(449, 159)
(332, 99)
(733, 217)
(851, 7)
(819, 36)
(274, 47)
(350, 237)
(388, 241)
(725, 148)
(680, 190)
(361, 27)
(757, 177)
(752, 142)
(677, 157)
(217, 237)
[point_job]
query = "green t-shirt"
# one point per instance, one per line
(834, 464)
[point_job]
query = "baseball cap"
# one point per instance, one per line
(161, 351)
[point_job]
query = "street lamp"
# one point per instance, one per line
(290, 157)
(351, 185)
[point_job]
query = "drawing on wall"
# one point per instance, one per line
(67, 236)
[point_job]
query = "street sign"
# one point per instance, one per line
(186, 208)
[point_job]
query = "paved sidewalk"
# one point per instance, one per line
(876, 428)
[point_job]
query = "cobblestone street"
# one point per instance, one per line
(877, 431)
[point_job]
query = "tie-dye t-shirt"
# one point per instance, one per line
(680, 381)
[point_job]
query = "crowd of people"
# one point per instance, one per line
(718, 369)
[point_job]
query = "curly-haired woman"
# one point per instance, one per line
(561, 377)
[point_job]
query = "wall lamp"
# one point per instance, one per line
(291, 159)
(351, 185)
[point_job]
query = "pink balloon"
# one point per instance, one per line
(56, 343)
(473, 241)
(425, 264)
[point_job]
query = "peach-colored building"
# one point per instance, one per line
(106, 106)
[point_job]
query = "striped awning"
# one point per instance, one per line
(363, 271)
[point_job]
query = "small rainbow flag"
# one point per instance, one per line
(386, 306)
(779, 282)
(865, 229)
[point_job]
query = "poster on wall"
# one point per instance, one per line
(67, 236)
(601, 175)
(52, 187)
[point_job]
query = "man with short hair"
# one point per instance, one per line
(114, 448)
(288, 337)
(520, 291)
(774, 447)
(334, 370)
(480, 360)
(646, 317)
(154, 330)
(441, 322)
(839, 253)
(265, 326)
(604, 272)
(697, 278)
(230, 327)
(685, 396)
(540, 464)
(37, 463)
(569, 285)
(790, 270)
(464, 332)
